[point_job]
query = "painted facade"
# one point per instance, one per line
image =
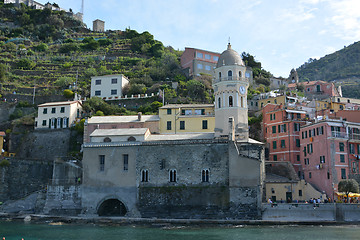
(55, 115)
(108, 87)
(281, 128)
(195, 61)
(186, 118)
(317, 89)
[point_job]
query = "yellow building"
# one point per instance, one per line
(2, 135)
(187, 118)
(321, 105)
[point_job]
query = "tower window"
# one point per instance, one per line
(144, 175)
(229, 75)
(219, 102)
(172, 176)
(230, 101)
(240, 75)
(205, 175)
(219, 75)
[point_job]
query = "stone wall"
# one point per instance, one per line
(23, 177)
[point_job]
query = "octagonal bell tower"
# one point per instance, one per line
(230, 83)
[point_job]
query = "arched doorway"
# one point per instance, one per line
(112, 207)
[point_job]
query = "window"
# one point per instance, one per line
(102, 162)
(182, 125)
(44, 123)
(298, 115)
(296, 127)
(114, 81)
(322, 159)
(298, 158)
(172, 176)
(199, 55)
(98, 82)
(328, 175)
(240, 75)
(342, 158)
(275, 157)
(219, 75)
(297, 142)
(358, 149)
(306, 161)
(282, 143)
(107, 139)
(304, 151)
(318, 88)
(273, 129)
(354, 167)
(300, 193)
(230, 101)
(168, 125)
(229, 75)
(113, 91)
(309, 174)
(207, 68)
(302, 135)
(199, 66)
(305, 134)
(168, 111)
(343, 173)
(274, 144)
(204, 124)
(53, 110)
(126, 162)
(216, 58)
(310, 133)
(351, 148)
(219, 102)
(341, 147)
(208, 56)
(317, 131)
(62, 109)
(144, 175)
(65, 122)
(45, 111)
(205, 175)
(271, 117)
(97, 93)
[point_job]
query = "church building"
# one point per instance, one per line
(208, 174)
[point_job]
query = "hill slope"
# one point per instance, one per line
(342, 66)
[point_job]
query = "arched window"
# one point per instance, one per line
(144, 175)
(240, 75)
(131, 139)
(230, 101)
(229, 75)
(242, 101)
(219, 75)
(219, 102)
(107, 139)
(172, 175)
(205, 175)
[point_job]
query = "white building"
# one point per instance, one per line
(57, 114)
(108, 87)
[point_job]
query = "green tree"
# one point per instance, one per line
(347, 186)
(42, 47)
(68, 93)
(155, 106)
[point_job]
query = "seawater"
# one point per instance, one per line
(30, 231)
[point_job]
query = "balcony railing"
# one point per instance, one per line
(339, 134)
(231, 78)
(354, 136)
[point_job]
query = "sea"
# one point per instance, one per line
(60, 231)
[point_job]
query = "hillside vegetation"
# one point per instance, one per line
(342, 66)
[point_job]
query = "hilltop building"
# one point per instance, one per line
(195, 61)
(317, 89)
(98, 25)
(197, 174)
(108, 87)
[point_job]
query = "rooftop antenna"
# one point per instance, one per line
(229, 41)
(82, 7)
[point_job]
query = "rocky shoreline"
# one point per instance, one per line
(154, 222)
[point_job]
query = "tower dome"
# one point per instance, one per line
(229, 57)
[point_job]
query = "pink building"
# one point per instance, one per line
(196, 61)
(281, 127)
(325, 154)
(317, 89)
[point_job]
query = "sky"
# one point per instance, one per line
(281, 34)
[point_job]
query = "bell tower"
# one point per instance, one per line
(230, 84)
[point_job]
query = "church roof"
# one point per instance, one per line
(229, 57)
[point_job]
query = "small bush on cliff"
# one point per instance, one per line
(4, 163)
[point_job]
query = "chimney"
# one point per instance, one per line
(231, 129)
(139, 116)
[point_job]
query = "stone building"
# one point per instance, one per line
(98, 25)
(131, 172)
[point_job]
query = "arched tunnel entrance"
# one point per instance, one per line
(112, 207)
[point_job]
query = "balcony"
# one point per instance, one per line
(336, 134)
(354, 136)
(231, 78)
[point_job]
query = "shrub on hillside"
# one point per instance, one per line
(68, 93)
(26, 64)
